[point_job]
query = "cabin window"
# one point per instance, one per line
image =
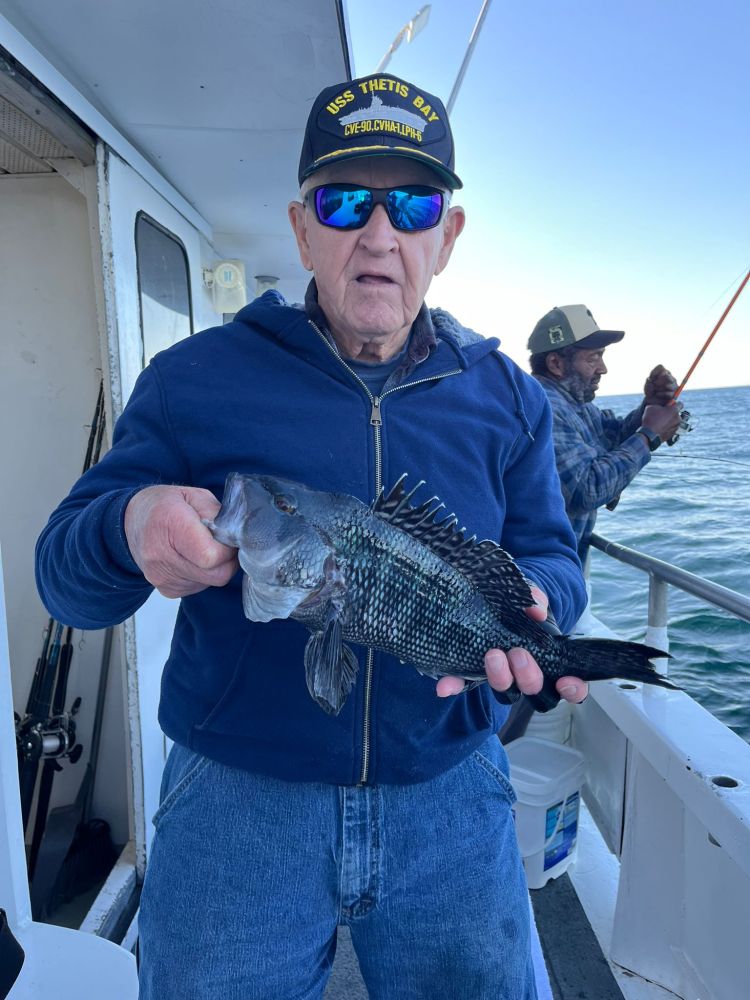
(163, 287)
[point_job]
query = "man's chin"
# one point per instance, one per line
(375, 321)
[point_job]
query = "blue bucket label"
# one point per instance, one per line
(560, 832)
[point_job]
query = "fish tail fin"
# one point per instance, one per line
(603, 659)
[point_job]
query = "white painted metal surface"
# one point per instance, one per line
(207, 102)
(59, 962)
(595, 877)
(670, 788)
(684, 901)
(123, 195)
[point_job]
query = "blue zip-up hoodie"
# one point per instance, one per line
(268, 393)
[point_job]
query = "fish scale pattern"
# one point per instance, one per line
(406, 599)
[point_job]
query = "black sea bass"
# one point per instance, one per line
(394, 577)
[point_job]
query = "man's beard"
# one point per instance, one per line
(581, 389)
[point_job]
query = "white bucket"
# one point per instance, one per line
(553, 725)
(547, 779)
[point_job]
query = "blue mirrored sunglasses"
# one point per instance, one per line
(410, 208)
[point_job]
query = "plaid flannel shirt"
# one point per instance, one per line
(597, 455)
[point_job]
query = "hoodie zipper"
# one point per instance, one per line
(376, 422)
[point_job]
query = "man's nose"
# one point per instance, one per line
(601, 368)
(378, 235)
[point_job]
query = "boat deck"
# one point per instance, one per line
(575, 962)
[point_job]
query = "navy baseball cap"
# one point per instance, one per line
(570, 325)
(378, 115)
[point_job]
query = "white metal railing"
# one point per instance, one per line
(663, 575)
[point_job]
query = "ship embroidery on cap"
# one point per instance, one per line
(379, 112)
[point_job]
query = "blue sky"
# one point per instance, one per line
(605, 153)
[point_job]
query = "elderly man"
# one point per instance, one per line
(597, 453)
(279, 822)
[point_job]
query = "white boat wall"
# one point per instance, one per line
(147, 153)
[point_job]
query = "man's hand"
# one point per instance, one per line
(660, 387)
(663, 420)
(520, 666)
(176, 552)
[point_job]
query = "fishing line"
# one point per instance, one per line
(731, 284)
(711, 458)
(711, 336)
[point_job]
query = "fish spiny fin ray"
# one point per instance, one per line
(489, 567)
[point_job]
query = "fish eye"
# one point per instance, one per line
(284, 504)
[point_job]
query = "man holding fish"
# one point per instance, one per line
(390, 811)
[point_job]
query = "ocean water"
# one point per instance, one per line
(690, 506)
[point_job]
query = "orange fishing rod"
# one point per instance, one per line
(711, 336)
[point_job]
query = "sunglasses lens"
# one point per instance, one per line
(409, 208)
(341, 208)
(415, 208)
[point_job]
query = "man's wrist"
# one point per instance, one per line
(652, 438)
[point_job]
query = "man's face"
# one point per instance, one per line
(581, 373)
(372, 281)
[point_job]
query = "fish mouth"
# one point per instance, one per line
(232, 513)
(234, 494)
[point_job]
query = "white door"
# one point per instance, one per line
(153, 296)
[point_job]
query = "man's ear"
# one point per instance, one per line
(555, 364)
(298, 220)
(455, 220)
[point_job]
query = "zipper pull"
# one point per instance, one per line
(375, 412)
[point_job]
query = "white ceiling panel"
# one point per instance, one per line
(214, 93)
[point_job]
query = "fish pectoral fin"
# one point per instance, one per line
(330, 666)
(263, 602)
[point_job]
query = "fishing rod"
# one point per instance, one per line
(68, 848)
(34, 736)
(59, 741)
(46, 732)
(685, 414)
(711, 336)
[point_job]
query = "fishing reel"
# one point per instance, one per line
(47, 739)
(684, 428)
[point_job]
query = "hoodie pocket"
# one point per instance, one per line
(230, 691)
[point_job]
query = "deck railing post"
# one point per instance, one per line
(656, 632)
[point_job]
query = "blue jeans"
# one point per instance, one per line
(250, 876)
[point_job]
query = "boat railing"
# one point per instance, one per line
(663, 575)
(669, 787)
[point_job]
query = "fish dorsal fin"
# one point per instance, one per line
(490, 568)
